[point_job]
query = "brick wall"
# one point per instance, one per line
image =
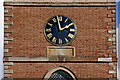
(81, 70)
(29, 39)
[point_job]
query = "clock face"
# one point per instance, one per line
(60, 30)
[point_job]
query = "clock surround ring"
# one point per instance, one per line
(60, 44)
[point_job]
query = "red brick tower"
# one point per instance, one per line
(60, 39)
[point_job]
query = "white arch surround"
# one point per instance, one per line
(47, 76)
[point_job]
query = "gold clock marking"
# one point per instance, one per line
(54, 20)
(60, 18)
(60, 41)
(66, 20)
(48, 30)
(54, 40)
(70, 24)
(50, 24)
(67, 26)
(49, 35)
(70, 35)
(72, 30)
(66, 40)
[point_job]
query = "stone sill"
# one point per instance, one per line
(60, 59)
(57, 3)
(60, 0)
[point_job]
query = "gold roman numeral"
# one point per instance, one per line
(48, 30)
(60, 41)
(50, 24)
(49, 35)
(66, 40)
(66, 20)
(54, 40)
(54, 20)
(60, 18)
(72, 30)
(70, 35)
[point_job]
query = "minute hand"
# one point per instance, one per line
(59, 24)
(67, 26)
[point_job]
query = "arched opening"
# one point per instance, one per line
(60, 73)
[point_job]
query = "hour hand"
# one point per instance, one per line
(67, 26)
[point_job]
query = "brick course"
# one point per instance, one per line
(81, 70)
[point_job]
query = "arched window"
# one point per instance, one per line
(60, 73)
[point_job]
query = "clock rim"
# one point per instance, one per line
(60, 44)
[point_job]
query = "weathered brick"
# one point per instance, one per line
(8, 7)
(81, 70)
(113, 55)
(114, 50)
(8, 71)
(8, 63)
(113, 19)
(111, 15)
(112, 46)
(112, 71)
(8, 15)
(8, 30)
(112, 39)
(8, 23)
(5, 26)
(111, 24)
(5, 50)
(8, 38)
(7, 54)
(112, 31)
(7, 46)
(113, 11)
(111, 8)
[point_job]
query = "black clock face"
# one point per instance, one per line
(60, 30)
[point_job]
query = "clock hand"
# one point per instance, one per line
(67, 26)
(59, 23)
